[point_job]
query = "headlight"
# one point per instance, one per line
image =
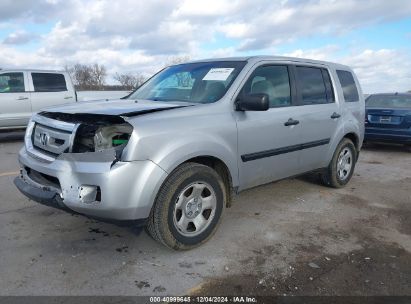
(96, 138)
(28, 134)
(112, 136)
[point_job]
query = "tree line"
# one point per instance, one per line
(94, 76)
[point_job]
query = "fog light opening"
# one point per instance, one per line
(98, 194)
(89, 194)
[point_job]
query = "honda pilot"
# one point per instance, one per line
(172, 154)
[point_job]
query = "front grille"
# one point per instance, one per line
(51, 140)
(49, 137)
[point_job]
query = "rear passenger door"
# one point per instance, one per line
(320, 115)
(49, 89)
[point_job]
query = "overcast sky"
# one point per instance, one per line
(373, 37)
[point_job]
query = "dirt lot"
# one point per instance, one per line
(292, 237)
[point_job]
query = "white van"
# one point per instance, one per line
(23, 92)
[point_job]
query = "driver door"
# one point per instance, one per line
(267, 144)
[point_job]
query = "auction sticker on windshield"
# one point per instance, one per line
(218, 74)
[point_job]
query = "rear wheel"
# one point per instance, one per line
(188, 207)
(341, 167)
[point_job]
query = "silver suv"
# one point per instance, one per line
(171, 154)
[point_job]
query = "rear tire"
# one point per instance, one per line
(188, 207)
(341, 167)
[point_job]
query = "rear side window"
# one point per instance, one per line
(315, 85)
(11, 82)
(49, 82)
(348, 86)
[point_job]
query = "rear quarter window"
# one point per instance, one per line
(49, 82)
(348, 86)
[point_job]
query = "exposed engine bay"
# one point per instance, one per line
(95, 132)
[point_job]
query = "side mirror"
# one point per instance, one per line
(253, 102)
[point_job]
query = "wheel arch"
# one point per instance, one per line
(212, 152)
(355, 139)
(221, 168)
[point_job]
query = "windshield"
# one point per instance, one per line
(389, 101)
(204, 82)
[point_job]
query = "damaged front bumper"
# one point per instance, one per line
(93, 184)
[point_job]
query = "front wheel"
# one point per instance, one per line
(188, 207)
(341, 167)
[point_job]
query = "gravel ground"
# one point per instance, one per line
(292, 237)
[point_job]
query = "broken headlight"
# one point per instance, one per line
(96, 138)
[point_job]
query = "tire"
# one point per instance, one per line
(191, 194)
(338, 177)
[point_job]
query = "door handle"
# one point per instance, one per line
(335, 115)
(22, 98)
(291, 122)
(68, 97)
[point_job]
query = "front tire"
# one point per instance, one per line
(188, 207)
(341, 167)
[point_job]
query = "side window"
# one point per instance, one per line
(348, 86)
(49, 82)
(272, 80)
(312, 86)
(11, 82)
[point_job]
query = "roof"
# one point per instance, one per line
(391, 94)
(272, 58)
(31, 70)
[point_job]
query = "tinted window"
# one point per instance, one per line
(312, 86)
(348, 86)
(389, 101)
(11, 82)
(273, 81)
(48, 82)
(328, 86)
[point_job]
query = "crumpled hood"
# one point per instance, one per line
(122, 107)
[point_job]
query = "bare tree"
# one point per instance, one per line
(129, 81)
(70, 71)
(177, 60)
(87, 77)
(98, 73)
(183, 79)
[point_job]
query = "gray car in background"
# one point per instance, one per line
(172, 153)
